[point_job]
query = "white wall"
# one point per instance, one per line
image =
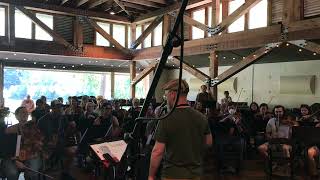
(261, 83)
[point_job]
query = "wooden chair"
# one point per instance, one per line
(276, 155)
(304, 138)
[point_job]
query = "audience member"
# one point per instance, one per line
(28, 104)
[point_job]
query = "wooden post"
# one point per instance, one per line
(269, 12)
(133, 34)
(213, 70)
(11, 25)
(77, 33)
(215, 13)
(225, 11)
(292, 11)
(112, 85)
(166, 28)
(132, 76)
(1, 84)
(246, 20)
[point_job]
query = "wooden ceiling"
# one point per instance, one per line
(130, 9)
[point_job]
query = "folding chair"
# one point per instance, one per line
(276, 155)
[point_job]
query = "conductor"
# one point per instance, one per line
(180, 138)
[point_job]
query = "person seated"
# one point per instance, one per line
(119, 113)
(39, 111)
(305, 115)
(277, 127)
(87, 118)
(260, 122)
(312, 156)
(30, 149)
(230, 133)
(108, 123)
(200, 107)
(254, 108)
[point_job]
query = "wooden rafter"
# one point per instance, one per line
(194, 71)
(97, 3)
(63, 2)
(81, 2)
(170, 8)
(107, 36)
(243, 9)
(308, 45)
(133, 72)
(252, 58)
(59, 39)
(144, 3)
(135, 6)
(192, 22)
(292, 11)
(122, 7)
(62, 10)
(307, 29)
(159, 1)
(146, 32)
(143, 74)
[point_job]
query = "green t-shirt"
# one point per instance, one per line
(183, 133)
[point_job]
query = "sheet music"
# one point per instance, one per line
(18, 145)
(115, 149)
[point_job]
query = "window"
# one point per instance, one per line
(129, 36)
(147, 40)
(138, 33)
(23, 25)
(107, 86)
(122, 90)
(199, 16)
(2, 22)
(101, 41)
(238, 25)
(119, 32)
(157, 35)
(210, 15)
(40, 33)
(19, 82)
(258, 15)
(142, 87)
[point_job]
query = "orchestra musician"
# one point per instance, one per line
(54, 126)
(30, 149)
(277, 127)
(260, 122)
(305, 114)
(230, 131)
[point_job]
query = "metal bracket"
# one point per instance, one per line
(214, 30)
(300, 43)
(212, 47)
(284, 32)
(212, 82)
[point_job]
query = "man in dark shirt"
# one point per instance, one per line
(203, 97)
(39, 111)
(182, 149)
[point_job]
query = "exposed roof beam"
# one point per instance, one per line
(308, 45)
(81, 2)
(107, 36)
(96, 3)
(59, 39)
(194, 71)
(143, 74)
(122, 7)
(252, 58)
(135, 6)
(144, 3)
(192, 22)
(170, 8)
(54, 9)
(243, 9)
(159, 1)
(306, 29)
(146, 32)
(64, 1)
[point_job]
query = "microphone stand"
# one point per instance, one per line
(133, 137)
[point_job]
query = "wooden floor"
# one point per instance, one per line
(250, 170)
